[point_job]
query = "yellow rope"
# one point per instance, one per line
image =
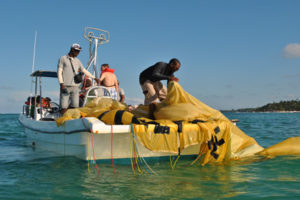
(88, 153)
(131, 147)
(201, 152)
(139, 158)
(136, 160)
(171, 162)
(175, 162)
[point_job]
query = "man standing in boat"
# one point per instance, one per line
(68, 67)
(109, 80)
(150, 79)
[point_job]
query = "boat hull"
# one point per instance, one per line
(90, 139)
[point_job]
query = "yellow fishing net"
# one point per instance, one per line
(289, 146)
(181, 121)
(92, 109)
(200, 124)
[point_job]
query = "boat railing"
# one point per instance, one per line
(95, 92)
(42, 113)
(26, 110)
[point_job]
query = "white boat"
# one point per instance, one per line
(86, 138)
(77, 138)
(89, 138)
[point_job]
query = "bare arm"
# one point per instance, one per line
(116, 84)
(87, 73)
(101, 78)
(59, 71)
(122, 98)
(59, 75)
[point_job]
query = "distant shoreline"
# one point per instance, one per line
(291, 106)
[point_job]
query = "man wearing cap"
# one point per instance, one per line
(69, 66)
(150, 79)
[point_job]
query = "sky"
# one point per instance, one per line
(233, 53)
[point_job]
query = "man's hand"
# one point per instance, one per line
(62, 87)
(97, 80)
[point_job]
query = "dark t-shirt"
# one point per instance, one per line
(157, 72)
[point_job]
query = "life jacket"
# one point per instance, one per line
(107, 70)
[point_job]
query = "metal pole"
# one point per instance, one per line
(41, 99)
(35, 95)
(32, 70)
(95, 60)
(33, 59)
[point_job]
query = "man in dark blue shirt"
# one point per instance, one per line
(150, 79)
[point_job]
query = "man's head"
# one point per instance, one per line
(174, 64)
(48, 99)
(104, 66)
(75, 50)
(88, 82)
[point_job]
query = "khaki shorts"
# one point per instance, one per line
(154, 91)
(71, 93)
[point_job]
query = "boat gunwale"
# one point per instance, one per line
(63, 131)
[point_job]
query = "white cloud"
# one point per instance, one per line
(292, 51)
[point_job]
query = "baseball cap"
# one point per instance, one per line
(76, 46)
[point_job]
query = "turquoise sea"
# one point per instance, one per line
(29, 174)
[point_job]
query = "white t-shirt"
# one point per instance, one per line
(65, 72)
(121, 92)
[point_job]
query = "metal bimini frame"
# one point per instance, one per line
(96, 37)
(38, 112)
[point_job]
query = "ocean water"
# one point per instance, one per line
(29, 174)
